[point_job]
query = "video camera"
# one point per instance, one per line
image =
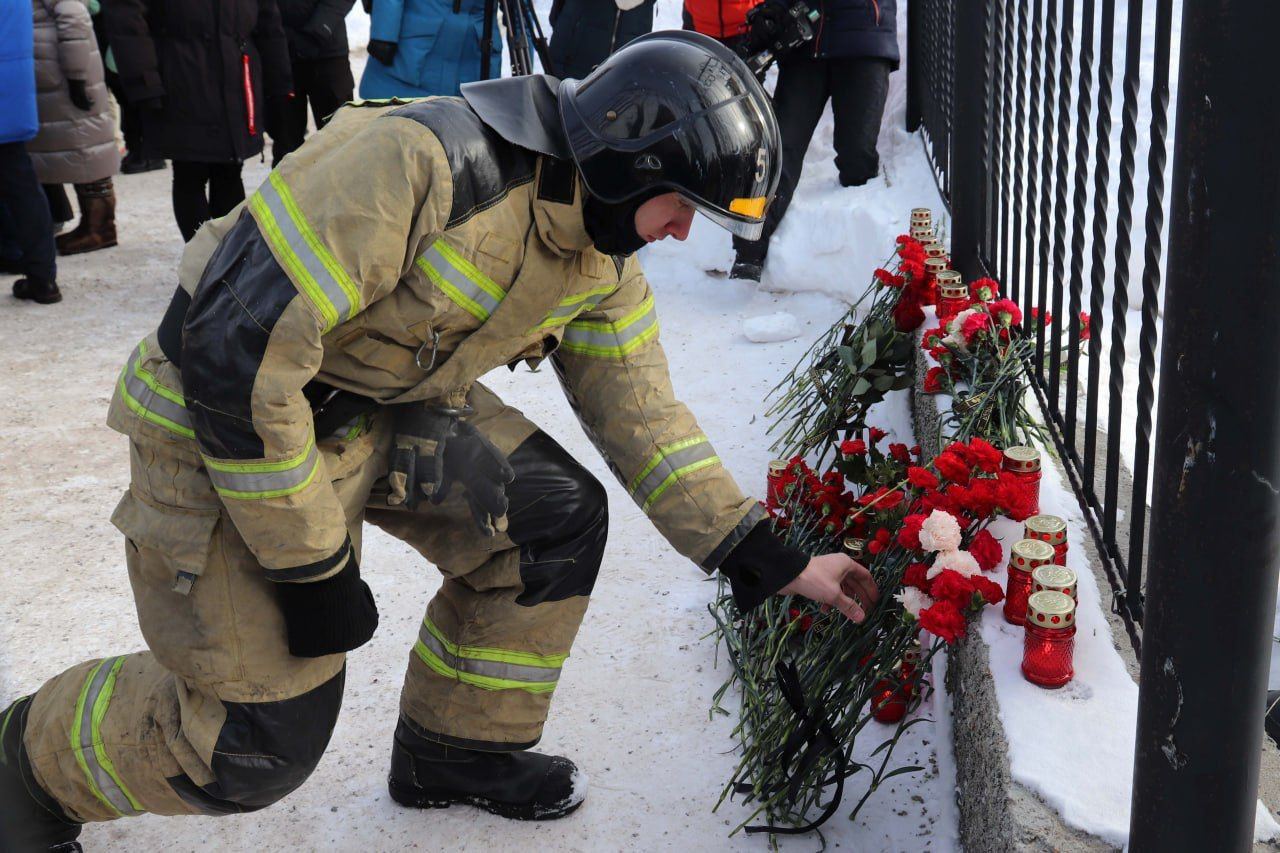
(774, 29)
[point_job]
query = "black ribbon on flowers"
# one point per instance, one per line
(814, 735)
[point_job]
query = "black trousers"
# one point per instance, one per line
(327, 84)
(204, 191)
(27, 223)
(857, 89)
(130, 121)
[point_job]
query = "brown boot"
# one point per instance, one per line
(97, 228)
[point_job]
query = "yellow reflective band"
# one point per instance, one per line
(676, 475)
(571, 306)
(669, 464)
(753, 207)
(613, 339)
(164, 407)
(310, 264)
(86, 739)
(460, 280)
(99, 748)
(486, 668)
(262, 480)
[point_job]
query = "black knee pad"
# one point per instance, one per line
(266, 750)
(559, 517)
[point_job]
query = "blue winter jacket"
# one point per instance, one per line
(857, 28)
(18, 119)
(437, 49)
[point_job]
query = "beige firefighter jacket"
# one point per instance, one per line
(403, 252)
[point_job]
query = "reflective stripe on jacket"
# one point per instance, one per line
(400, 254)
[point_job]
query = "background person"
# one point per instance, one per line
(26, 223)
(77, 139)
(318, 53)
(203, 76)
(426, 47)
(855, 49)
(584, 32)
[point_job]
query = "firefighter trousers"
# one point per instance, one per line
(216, 717)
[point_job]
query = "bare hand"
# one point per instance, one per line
(836, 580)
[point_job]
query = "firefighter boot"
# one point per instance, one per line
(30, 820)
(519, 785)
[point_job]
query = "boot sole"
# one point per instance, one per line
(80, 250)
(418, 798)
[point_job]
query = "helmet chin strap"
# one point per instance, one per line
(612, 227)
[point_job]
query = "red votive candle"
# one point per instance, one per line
(1055, 579)
(953, 296)
(777, 472)
(1049, 644)
(1051, 529)
(1024, 557)
(1024, 464)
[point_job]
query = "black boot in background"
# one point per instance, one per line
(30, 820)
(518, 785)
(37, 289)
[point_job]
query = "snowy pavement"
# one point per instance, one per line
(632, 706)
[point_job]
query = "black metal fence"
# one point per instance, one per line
(1047, 123)
(1019, 104)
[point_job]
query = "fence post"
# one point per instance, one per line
(913, 110)
(967, 163)
(1211, 589)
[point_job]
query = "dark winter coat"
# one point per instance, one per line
(74, 146)
(316, 29)
(217, 65)
(857, 29)
(18, 121)
(585, 32)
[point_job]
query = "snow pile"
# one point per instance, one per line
(771, 328)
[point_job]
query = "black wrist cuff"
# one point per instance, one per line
(760, 565)
(325, 617)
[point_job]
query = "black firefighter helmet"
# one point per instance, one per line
(679, 111)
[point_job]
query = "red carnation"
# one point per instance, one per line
(974, 325)
(986, 550)
(912, 269)
(922, 478)
(933, 380)
(907, 314)
(1006, 312)
(989, 590)
(984, 290)
(916, 451)
(933, 338)
(983, 498)
(1048, 316)
(1084, 326)
(917, 575)
(899, 453)
(909, 533)
(876, 434)
(943, 620)
(954, 587)
(853, 447)
(984, 456)
(1015, 499)
(952, 467)
(881, 541)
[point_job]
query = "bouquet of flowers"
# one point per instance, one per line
(811, 681)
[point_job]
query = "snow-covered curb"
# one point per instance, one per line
(1042, 769)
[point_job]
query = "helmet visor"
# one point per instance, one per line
(739, 225)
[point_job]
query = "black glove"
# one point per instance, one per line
(434, 448)
(80, 94)
(383, 51)
(325, 617)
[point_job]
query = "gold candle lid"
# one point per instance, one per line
(951, 285)
(921, 213)
(854, 546)
(935, 250)
(1052, 610)
(777, 466)
(1026, 554)
(1049, 528)
(1022, 459)
(935, 265)
(1055, 578)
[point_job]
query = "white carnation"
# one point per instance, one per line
(955, 337)
(913, 601)
(940, 532)
(957, 561)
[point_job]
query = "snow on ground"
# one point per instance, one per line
(632, 706)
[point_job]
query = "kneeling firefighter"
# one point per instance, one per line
(317, 369)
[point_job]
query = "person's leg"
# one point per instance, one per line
(32, 226)
(859, 89)
(217, 718)
(226, 188)
(329, 87)
(59, 204)
(290, 128)
(496, 635)
(798, 100)
(190, 201)
(97, 228)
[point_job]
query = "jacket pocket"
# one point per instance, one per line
(180, 586)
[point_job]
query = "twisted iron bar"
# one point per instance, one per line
(1046, 191)
(1151, 279)
(1084, 85)
(1060, 194)
(1033, 154)
(1017, 202)
(1120, 294)
(1098, 268)
(1006, 125)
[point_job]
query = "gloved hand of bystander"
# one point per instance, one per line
(79, 94)
(383, 51)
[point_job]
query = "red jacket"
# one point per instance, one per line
(719, 18)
